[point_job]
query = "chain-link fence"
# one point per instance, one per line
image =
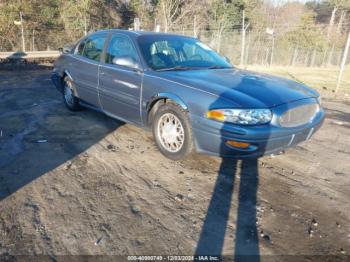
(259, 49)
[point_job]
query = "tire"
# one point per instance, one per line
(71, 102)
(172, 131)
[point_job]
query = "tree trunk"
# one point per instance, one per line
(313, 58)
(257, 48)
(295, 56)
(324, 58)
(341, 21)
(218, 48)
(306, 58)
(330, 56)
(267, 56)
(194, 26)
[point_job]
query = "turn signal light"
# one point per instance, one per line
(216, 115)
(237, 144)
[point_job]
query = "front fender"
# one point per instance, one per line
(171, 96)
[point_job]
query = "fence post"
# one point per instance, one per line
(22, 31)
(137, 24)
(272, 49)
(246, 61)
(33, 40)
(243, 38)
(313, 58)
(342, 66)
(295, 56)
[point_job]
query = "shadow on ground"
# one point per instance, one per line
(246, 241)
(38, 134)
(212, 237)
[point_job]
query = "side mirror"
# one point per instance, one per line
(125, 61)
(68, 48)
(227, 59)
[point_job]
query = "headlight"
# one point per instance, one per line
(241, 116)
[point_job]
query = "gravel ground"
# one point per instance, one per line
(85, 184)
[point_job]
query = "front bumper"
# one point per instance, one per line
(211, 136)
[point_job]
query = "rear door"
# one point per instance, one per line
(120, 84)
(85, 67)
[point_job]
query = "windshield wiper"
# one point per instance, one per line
(218, 67)
(174, 68)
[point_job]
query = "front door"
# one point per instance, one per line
(120, 82)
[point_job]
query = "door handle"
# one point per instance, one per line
(137, 71)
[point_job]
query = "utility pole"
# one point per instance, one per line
(331, 23)
(22, 30)
(243, 38)
(342, 66)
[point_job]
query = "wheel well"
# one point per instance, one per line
(153, 107)
(62, 81)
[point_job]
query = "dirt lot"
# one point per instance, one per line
(85, 184)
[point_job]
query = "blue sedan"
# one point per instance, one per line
(191, 97)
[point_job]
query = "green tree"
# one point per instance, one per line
(307, 35)
(143, 10)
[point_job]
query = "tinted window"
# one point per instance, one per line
(162, 52)
(92, 47)
(121, 46)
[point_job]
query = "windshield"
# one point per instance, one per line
(162, 53)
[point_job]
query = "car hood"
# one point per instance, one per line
(246, 89)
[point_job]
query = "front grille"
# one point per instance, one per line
(299, 115)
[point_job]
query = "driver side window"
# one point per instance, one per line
(120, 47)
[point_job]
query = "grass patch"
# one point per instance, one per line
(318, 78)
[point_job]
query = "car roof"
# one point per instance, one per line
(139, 33)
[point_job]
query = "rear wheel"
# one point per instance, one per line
(71, 102)
(172, 131)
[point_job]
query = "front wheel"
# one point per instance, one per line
(172, 131)
(71, 102)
